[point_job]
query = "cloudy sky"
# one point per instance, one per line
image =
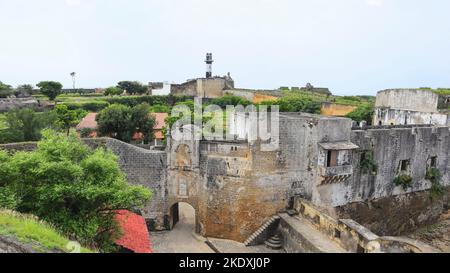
(350, 46)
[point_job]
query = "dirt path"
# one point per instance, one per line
(182, 238)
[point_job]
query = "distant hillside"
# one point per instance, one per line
(26, 234)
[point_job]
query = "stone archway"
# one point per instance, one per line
(184, 215)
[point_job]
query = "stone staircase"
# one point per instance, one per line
(264, 232)
(274, 242)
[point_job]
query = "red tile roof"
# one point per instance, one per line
(160, 119)
(135, 235)
(88, 122)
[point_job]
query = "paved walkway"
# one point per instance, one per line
(182, 239)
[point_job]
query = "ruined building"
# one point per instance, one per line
(208, 87)
(408, 106)
(321, 168)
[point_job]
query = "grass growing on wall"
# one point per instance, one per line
(28, 229)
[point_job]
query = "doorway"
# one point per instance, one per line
(183, 216)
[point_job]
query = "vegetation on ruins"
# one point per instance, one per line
(364, 112)
(123, 122)
(367, 163)
(71, 186)
(50, 89)
(28, 229)
(434, 176)
(403, 180)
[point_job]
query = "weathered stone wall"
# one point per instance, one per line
(17, 103)
(408, 99)
(390, 147)
(386, 116)
(203, 87)
(146, 168)
(188, 88)
(397, 215)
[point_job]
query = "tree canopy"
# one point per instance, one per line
(363, 112)
(65, 118)
(25, 125)
(113, 91)
(50, 89)
(122, 122)
(132, 87)
(71, 186)
(5, 90)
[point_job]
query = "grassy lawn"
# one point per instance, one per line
(28, 229)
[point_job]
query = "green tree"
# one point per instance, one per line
(50, 89)
(5, 90)
(113, 91)
(142, 121)
(25, 125)
(114, 121)
(132, 87)
(23, 90)
(67, 184)
(363, 112)
(298, 104)
(65, 118)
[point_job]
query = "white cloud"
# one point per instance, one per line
(73, 3)
(375, 3)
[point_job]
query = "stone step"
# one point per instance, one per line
(273, 246)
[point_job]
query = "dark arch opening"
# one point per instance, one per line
(184, 216)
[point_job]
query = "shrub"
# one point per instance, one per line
(403, 180)
(69, 185)
(434, 176)
(86, 132)
(368, 164)
(226, 100)
(151, 100)
(363, 112)
(25, 125)
(91, 106)
(113, 91)
(298, 104)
